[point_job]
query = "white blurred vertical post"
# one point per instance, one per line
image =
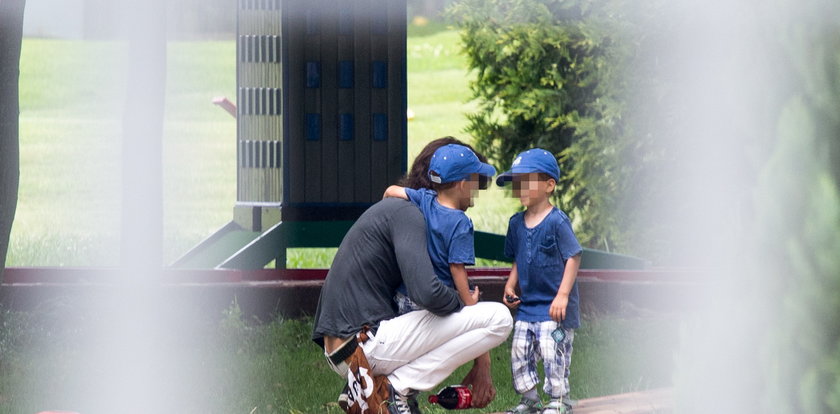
(142, 191)
(722, 67)
(132, 335)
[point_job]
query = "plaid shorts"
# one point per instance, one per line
(532, 342)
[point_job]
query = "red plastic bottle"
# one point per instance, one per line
(453, 397)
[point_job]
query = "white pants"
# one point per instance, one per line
(419, 350)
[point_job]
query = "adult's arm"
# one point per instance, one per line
(481, 381)
(408, 234)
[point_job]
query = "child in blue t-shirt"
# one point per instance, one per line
(454, 171)
(546, 259)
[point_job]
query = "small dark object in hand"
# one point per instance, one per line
(511, 298)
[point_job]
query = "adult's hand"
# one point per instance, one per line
(481, 382)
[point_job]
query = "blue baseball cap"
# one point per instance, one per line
(535, 160)
(453, 162)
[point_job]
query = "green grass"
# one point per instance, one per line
(236, 365)
(71, 107)
(68, 215)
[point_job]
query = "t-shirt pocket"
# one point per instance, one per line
(548, 253)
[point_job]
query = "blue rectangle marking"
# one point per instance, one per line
(380, 127)
(346, 73)
(345, 127)
(313, 127)
(313, 74)
(380, 74)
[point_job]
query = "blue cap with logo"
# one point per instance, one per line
(453, 162)
(535, 160)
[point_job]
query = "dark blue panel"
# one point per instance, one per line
(345, 21)
(313, 127)
(313, 74)
(380, 74)
(345, 74)
(313, 21)
(379, 19)
(345, 127)
(380, 127)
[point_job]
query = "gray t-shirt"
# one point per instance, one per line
(384, 248)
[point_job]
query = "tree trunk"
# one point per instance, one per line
(11, 35)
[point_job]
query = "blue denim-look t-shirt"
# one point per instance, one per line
(449, 234)
(540, 254)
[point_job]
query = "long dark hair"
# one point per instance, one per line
(418, 175)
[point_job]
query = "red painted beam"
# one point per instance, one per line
(77, 275)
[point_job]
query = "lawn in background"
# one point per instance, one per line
(68, 212)
(68, 215)
(71, 110)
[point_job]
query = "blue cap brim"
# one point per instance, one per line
(508, 175)
(486, 170)
(504, 178)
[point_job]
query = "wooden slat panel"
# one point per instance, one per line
(329, 102)
(381, 84)
(362, 160)
(259, 94)
(293, 43)
(312, 101)
(397, 92)
(330, 53)
(346, 102)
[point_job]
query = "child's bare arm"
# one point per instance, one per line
(558, 305)
(396, 192)
(462, 285)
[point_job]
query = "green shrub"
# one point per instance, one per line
(554, 74)
(800, 221)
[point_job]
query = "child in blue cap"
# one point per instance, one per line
(455, 172)
(546, 257)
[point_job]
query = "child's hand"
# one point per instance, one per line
(557, 311)
(475, 295)
(510, 299)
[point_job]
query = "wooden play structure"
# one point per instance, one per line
(321, 125)
(321, 130)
